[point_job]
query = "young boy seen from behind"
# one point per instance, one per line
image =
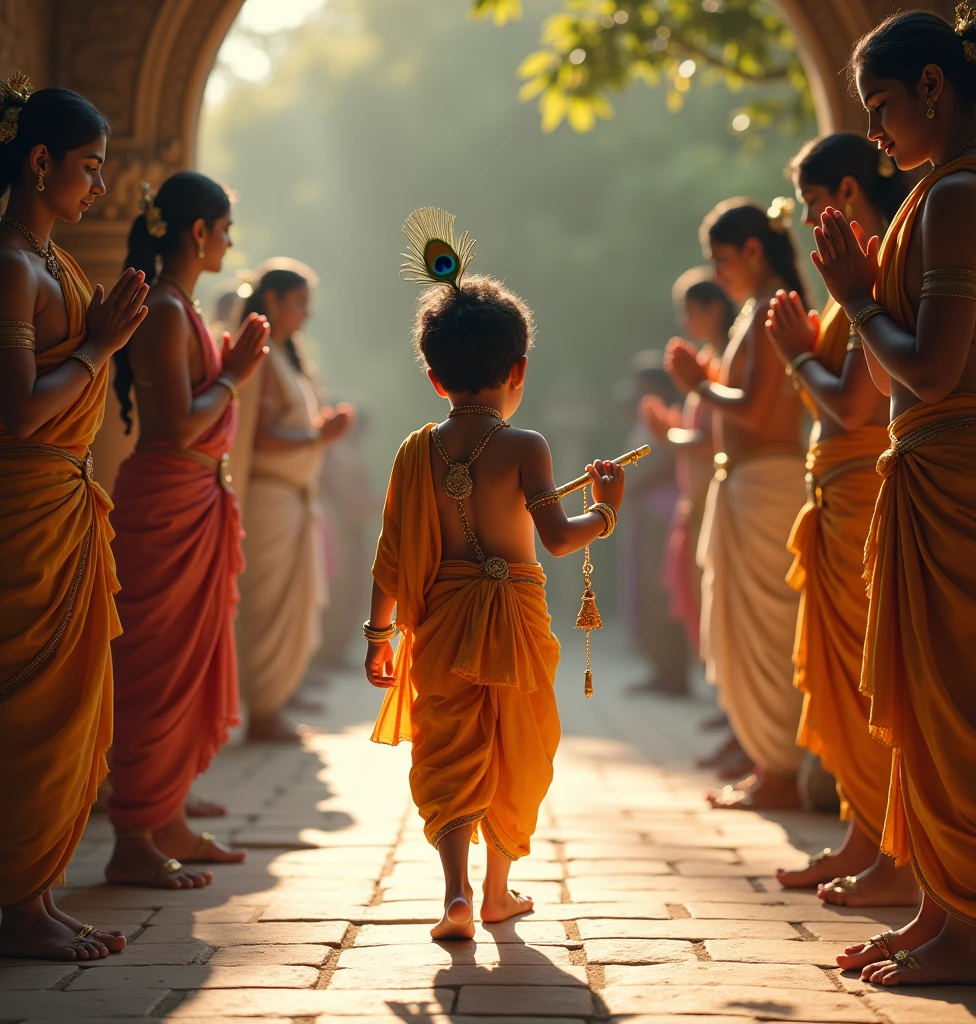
(471, 683)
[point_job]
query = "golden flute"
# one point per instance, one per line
(581, 481)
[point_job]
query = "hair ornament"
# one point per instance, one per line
(886, 166)
(155, 224)
(435, 256)
(780, 214)
(966, 22)
(14, 93)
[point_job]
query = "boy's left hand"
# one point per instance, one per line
(379, 665)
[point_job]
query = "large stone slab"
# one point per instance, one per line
(69, 1006)
(33, 977)
(695, 929)
(795, 912)
(327, 1003)
(445, 954)
(637, 951)
(377, 976)
(700, 972)
(327, 933)
(260, 956)
(525, 1000)
(773, 951)
(199, 977)
(539, 933)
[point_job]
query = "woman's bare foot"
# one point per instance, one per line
(947, 959)
(178, 840)
(113, 941)
(273, 728)
(880, 885)
(458, 919)
(501, 906)
(767, 792)
(30, 931)
(136, 860)
(856, 854)
(926, 924)
(201, 807)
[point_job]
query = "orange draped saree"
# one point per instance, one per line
(920, 650)
(178, 548)
(57, 617)
(474, 672)
(828, 547)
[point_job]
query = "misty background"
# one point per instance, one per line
(333, 121)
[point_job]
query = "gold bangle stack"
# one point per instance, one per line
(542, 500)
(863, 316)
(16, 334)
(379, 636)
(949, 283)
(86, 362)
(609, 514)
(224, 381)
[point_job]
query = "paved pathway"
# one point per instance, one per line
(651, 907)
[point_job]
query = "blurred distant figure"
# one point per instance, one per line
(705, 315)
(654, 492)
(283, 588)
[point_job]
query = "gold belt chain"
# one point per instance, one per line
(816, 485)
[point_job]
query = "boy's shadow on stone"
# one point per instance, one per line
(530, 980)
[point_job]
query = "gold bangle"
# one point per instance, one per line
(16, 334)
(86, 362)
(609, 514)
(861, 318)
(224, 381)
(379, 636)
(542, 500)
(794, 364)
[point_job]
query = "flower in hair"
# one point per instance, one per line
(966, 22)
(780, 214)
(155, 224)
(14, 93)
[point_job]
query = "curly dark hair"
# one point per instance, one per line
(472, 337)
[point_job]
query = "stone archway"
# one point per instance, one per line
(146, 65)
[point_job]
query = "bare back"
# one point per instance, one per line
(496, 507)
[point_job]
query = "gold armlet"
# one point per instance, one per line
(16, 334)
(949, 283)
(86, 363)
(854, 343)
(379, 636)
(226, 382)
(609, 514)
(542, 500)
(864, 315)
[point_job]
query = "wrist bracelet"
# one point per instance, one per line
(609, 514)
(862, 317)
(224, 381)
(86, 362)
(379, 636)
(794, 364)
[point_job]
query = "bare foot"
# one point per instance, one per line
(201, 807)
(929, 921)
(113, 941)
(273, 729)
(136, 860)
(857, 853)
(947, 959)
(495, 908)
(880, 885)
(768, 792)
(30, 931)
(458, 919)
(178, 840)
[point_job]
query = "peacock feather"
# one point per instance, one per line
(435, 256)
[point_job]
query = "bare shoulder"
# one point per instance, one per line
(167, 323)
(526, 443)
(18, 286)
(949, 214)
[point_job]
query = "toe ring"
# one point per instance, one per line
(84, 932)
(818, 857)
(208, 837)
(171, 866)
(905, 959)
(848, 883)
(883, 942)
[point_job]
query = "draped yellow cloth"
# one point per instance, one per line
(57, 617)
(920, 648)
(474, 672)
(828, 547)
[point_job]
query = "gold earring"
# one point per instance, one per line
(849, 211)
(930, 112)
(201, 252)
(40, 180)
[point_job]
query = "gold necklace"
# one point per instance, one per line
(954, 156)
(50, 260)
(475, 410)
(195, 303)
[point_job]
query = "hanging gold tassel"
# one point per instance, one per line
(589, 615)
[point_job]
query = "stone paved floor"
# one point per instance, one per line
(651, 907)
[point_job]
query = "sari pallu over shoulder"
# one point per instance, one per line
(57, 618)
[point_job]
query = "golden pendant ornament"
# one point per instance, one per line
(496, 568)
(457, 481)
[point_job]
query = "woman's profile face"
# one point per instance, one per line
(288, 312)
(897, 120)
(815, 199)
(71, 185)
(733, 271)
